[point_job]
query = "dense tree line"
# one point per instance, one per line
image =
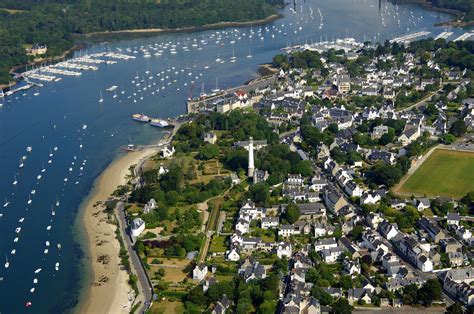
(257, 296)
(53, 22)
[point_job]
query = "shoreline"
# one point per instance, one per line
(269, 19)
(144, 31)
(13, 72)
(106, 291)
(455, 21)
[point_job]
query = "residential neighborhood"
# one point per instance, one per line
(317, 199)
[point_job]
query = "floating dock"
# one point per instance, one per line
(443, 35)
(464, 36)
(410, 37)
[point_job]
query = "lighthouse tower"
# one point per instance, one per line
(251, 162)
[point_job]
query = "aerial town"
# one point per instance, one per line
(302, 193)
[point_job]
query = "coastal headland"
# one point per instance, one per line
(143, 31)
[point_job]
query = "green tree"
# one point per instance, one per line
(305, 168)
(341, 306)
(430, 291)
(410, 294)
(346, 282)
(458, 128)
(260, 192)
(208, 151)
(357, 232)
(322, 296)
(292, 213)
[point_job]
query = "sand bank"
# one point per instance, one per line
(108, 292)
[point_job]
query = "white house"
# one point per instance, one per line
(288, 230)
(370, 198)
(351, 267)
(424, 263)
(270, 222)
(151, 205)
(232, 255)
(295, 179)
(464, 233)
(331, 255)
(138, 226)
(210, 137)
(284, 249)
(325, 244)
(388, 230)
(321, 229)
(200, 272)
(167, 151)
(353, 189)
(422, 203)
(242, 225)
(452, 219)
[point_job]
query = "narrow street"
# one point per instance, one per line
(144, 285)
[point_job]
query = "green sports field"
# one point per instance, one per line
(444, 173)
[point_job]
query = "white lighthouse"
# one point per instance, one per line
(251, 162)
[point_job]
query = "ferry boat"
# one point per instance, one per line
(159, 123)
(140, 117)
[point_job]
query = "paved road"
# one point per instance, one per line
(424, 100)
(145, 288)
(421, 102)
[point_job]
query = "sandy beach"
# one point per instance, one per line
(109, 290)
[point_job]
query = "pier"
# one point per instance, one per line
(464, 36)
(443, 35)
(410, 37)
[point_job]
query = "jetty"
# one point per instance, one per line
(464, 36)
(443, 35)
(410, 37)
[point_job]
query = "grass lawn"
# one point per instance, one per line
(134, 209)
(167, 307)
(444, 173)
(218, 244)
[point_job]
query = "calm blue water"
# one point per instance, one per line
(56, 118)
